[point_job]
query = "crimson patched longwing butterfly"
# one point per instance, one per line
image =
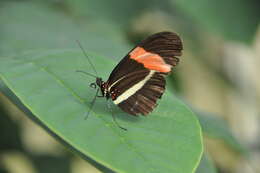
(138, 81)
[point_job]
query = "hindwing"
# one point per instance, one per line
(138, 92)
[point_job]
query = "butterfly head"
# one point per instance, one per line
(103, 86)
(98, 83)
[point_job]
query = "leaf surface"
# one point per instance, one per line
(168, 140)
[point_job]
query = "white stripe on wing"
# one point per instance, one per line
(131, 91)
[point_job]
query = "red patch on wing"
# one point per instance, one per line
(150, 60)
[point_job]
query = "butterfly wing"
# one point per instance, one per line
(157, 52)
(138, 92)
(138, 81)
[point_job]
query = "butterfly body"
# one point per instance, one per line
(138, 81)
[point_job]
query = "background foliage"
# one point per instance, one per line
(217, 75)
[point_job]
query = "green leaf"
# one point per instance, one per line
(235, 19)
(206, 165)
(168, 140)
(19, 104)
(215, 127)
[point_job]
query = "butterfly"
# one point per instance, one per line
(138, 80)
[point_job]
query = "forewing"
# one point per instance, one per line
(125, 67)
(168, 45)
(157, 52)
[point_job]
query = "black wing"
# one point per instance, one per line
(143, 101)
(135, 87)
(168, 45)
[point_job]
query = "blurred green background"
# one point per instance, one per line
(217, 76)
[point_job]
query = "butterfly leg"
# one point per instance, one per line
(114, 118)
(92, 104)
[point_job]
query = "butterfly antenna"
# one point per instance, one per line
(87, 73)
(114, 118)
(86, 55)
(92, 104)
